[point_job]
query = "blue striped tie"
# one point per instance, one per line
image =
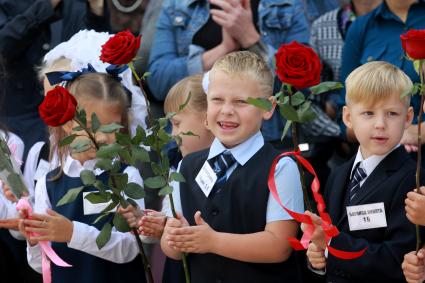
(220, 164)
(354, 185)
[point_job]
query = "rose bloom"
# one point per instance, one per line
(413, 43)
(121, 48)
(58, 107)
(298, 65)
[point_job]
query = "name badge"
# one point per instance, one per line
(366, 216)
(93, 208)
(206, 178)
(42, 169)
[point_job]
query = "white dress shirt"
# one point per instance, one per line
(121, 248)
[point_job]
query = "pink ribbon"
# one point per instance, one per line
(47, 252)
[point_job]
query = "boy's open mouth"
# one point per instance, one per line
(228, 125)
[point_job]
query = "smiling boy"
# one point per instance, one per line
(242, 233)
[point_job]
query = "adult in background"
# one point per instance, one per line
(28, 29)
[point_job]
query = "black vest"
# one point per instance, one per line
(240, 208)
(85, 268)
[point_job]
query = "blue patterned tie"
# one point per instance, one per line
(220, 164)
(354, 185)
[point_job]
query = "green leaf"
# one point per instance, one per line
(81, 116)
(123, 139)
(108, 151)
(175, 176)
(260, 102)
(110, 128)
(416, 65)
(165, 191)
(288, 112)
(150, 140)
(112, 205)
(77, 129)
(285, 130)
(414, 90)
(135, 191)
(16, 184)
(178, 140)
(164, 136)
(87, 177)
(95, 123)
(140, 136)
(116, 167)
(189, 133)
(296, 99)
(104, 164)
(120, 180)
(98, 197)
(157, 170)
(100, 217)
(182, 106)
(140, 154)
(126, 157)
(68, 140)
(145, 75)
(163, 122)
(120, 223)
(155, 182)
(325, 87)
(104, 235)
(81, 145)
(70, 196)
(307, 115)
(100, 186)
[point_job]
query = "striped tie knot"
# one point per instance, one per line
(358, 175)
(221, 163)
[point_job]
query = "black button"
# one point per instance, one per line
(214, 212)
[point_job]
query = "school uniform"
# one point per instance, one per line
(243, 205)
(117, 261)
(389, 179)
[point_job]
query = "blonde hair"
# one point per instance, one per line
(92, 86)
(60, 64)
(247, 63)
(376, 81)
(180, 91)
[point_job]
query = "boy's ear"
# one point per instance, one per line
(346, 117)
(268, 114)
(409, 117)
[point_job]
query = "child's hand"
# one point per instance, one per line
(131, 214)
(413, 267)
(316, 256)
(8, 193)
(51, 227)
(318, 237)
(23, 214)
(152, 224)
(192, 239)
(415, 207)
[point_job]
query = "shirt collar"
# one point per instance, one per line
(73, 167)
(242, 152)
(369, 164)
(385, 12)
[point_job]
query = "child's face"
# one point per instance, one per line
(379, 127)
(195, 122)
(229, 117)
(107, 113)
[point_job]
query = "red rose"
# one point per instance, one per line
(121, 48)
(58, 107)
(413, 43)
(298, 65)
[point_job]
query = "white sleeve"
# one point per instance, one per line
(166, 204)
(121, 247)
(31, 165)
(288, 185)
(41, 204)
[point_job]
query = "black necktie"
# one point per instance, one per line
(220, 164)
(358, 175)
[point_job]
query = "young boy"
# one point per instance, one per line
(237, 232)
(365, 196)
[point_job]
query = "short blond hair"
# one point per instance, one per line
(247, 63)
(376, 81)
(180, 91)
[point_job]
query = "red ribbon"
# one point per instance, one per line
(328, 228)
